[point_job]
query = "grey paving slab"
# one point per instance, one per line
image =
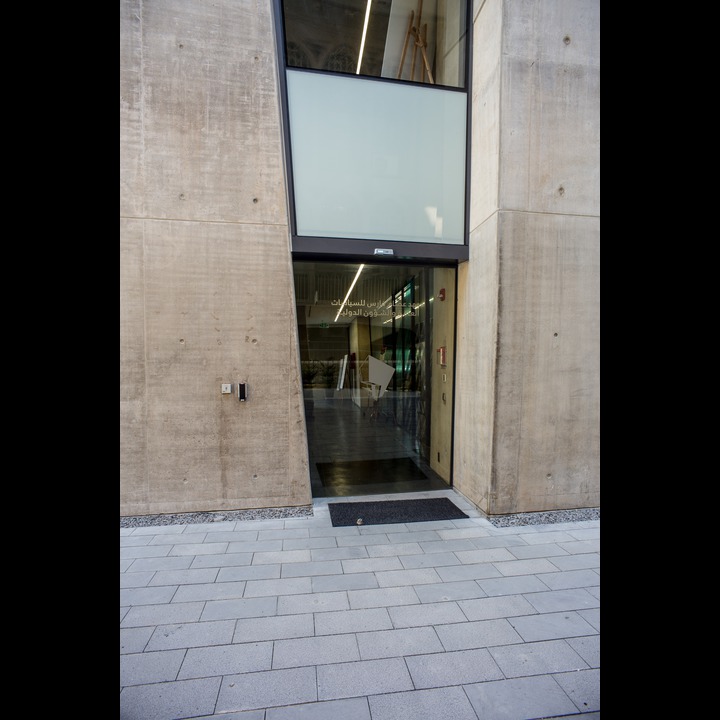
(526, 552)
(162, 614)
(249, 715)
(281, 556)
(350, 709)
(150, 667)
(366, 677)
(550, 626)
(185, 538)
(439, 613)
(284, 534)
(413, 534)
(198, 549)
(398, 578)
(187, 635)
(394, 550)
(312, 568)
(248, 572)
(557, 600)
(352, 581)
(398, 643)
(336, 553)
(160, 530)
(480, 634)
(271, 688)
(309, 543)
(461, 533)
(279, 586)
(519, 699)
(155, 564)
(526, 567)
(134, 540)
(428, 560)
(210, 591)
(484, 555)
(583, 688)
(571, 579)
(382, 597)
(278, 627)
(577, 562)
(167, 701)
(447, 545)
(591, 616)
(549, 536)
(226, 660)
(539, 658)
(125, 564)
(253, 547)
(588, 648)
(496, 607)
(439, 704)
(351, 540)
(145, 551)
(515, 585)
(496, 541)
(585, 533)
(134, 640)
(237, 536)
(185, 576)
(441, 592)
(222, 560)
(373, 564)
(579, 547)
(352, 621)
(319, 650)
(453, 668)
(313, 603)
(242, 608)
(147, 596)
(468, 572)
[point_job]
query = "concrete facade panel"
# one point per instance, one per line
(477, 318)
(547, 415)
(550, 136)
(485, 113)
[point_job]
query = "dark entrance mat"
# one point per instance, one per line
(362, 472)
(386, 512)
(374, 477)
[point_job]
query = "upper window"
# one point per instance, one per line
(421, 41)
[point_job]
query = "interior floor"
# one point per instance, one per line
(362, 451)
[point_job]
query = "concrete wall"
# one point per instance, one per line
(206, 278)
(527, 412)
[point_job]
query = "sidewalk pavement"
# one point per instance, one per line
(294, 619)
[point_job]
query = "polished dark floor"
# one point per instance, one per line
(362, 451)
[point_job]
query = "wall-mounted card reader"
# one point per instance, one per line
(242, 392)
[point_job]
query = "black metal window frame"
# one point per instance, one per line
(310, 247)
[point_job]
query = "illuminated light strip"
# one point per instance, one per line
(357, 275)
(362, 42)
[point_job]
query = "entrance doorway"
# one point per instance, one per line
(376, 350)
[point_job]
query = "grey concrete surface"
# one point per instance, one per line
(293, 619)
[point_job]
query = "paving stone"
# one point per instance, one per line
(439, 704)
(539, 658)
(453, 668)
(267, 689)
(168, 700)
(427, 614)
(352, 621)
(280, 586)
(398, 643)
(440, 592)
(150, 667)
(226, 660)
(368, 677)
(471, 635)
(382, 597)
(319, 650)
(313, 603)
(496, 607)
(353, 581)
(350, 709)
(278, 627)
(583, 688)
(550, 626)
(187, 635)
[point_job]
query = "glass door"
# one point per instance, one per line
(376, 344)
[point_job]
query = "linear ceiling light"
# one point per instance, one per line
(362, 42)
(357, 275)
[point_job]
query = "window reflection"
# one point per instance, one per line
(421, 41)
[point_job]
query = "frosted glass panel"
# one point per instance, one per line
(377, 160)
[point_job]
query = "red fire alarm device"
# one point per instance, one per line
(442, 356)
(441, 294)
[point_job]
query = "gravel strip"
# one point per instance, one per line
(534, 518)
(544, 518)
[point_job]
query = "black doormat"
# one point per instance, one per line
(364, 472)
(385, 512)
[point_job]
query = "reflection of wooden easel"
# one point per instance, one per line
(420, 41)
